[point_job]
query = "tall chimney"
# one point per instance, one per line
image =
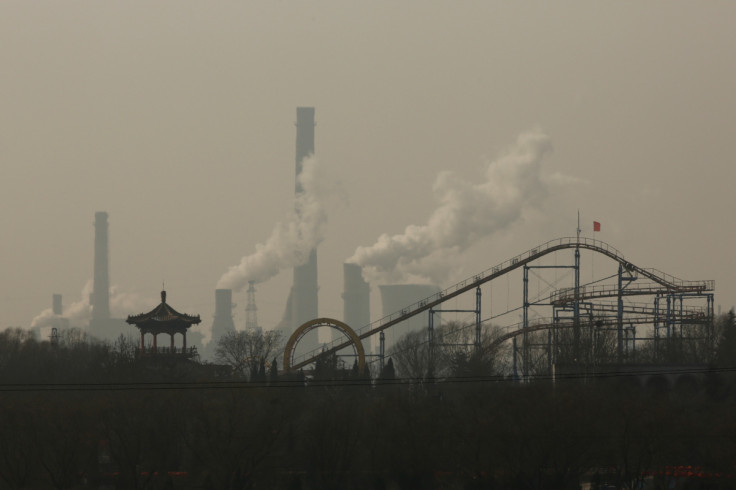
(304, 139)
(56, 305)
(304, 291)
(223, 321)
(101, 289)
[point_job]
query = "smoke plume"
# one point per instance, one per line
(79, 313)
(466, 212)
(290, 242)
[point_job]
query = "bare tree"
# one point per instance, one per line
(12, 343)
(453, 353)
(243, 351)
(74, 336)
(412, 356)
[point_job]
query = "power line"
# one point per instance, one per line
(220, 385)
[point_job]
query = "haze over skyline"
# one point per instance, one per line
(177, 119)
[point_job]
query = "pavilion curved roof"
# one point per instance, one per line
(163, 313)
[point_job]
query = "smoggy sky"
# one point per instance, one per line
(177, 118)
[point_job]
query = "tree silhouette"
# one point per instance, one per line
(244, 351)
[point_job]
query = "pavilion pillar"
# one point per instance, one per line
(143, 345)
(172, 342)
(155, 348)
(184, 348)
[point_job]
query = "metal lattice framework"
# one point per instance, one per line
(576, 301)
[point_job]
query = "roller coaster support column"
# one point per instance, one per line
(550, 364)
(382, 348)
(680, 313)
(430, 338)
(477, 319)
(709, 312)
(525, 324)
(620, 316)
(513, 357)
(668, 320)
(576, 304)
(620, 311)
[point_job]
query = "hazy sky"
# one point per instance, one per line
(177, 118)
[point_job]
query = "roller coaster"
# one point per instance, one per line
(677, 309)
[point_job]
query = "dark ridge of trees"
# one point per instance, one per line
(725, 333)
(85, 414)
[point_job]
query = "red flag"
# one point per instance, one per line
(596, 226)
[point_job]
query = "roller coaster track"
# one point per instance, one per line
(665, 282)
(550, 324)
(567, 295)
(687, 313)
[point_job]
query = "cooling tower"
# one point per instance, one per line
(101, 290)
(356, 297)
(396, 297)
(223, 322)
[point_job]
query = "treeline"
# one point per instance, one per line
(90, 415)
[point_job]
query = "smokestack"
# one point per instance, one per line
(101, 290)
(304, 139)
(56, 305)
(223, 321)
(356, 297)
(304, 291)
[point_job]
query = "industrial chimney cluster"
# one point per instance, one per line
(302, 304)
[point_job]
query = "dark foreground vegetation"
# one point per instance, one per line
(89, 415)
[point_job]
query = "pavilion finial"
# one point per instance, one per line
(163, 296)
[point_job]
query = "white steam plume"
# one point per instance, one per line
(467, 211)
(290, 242)
(79, 313)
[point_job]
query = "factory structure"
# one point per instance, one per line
(302, 303)
(223, 321)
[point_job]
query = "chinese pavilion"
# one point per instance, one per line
(164, 320)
